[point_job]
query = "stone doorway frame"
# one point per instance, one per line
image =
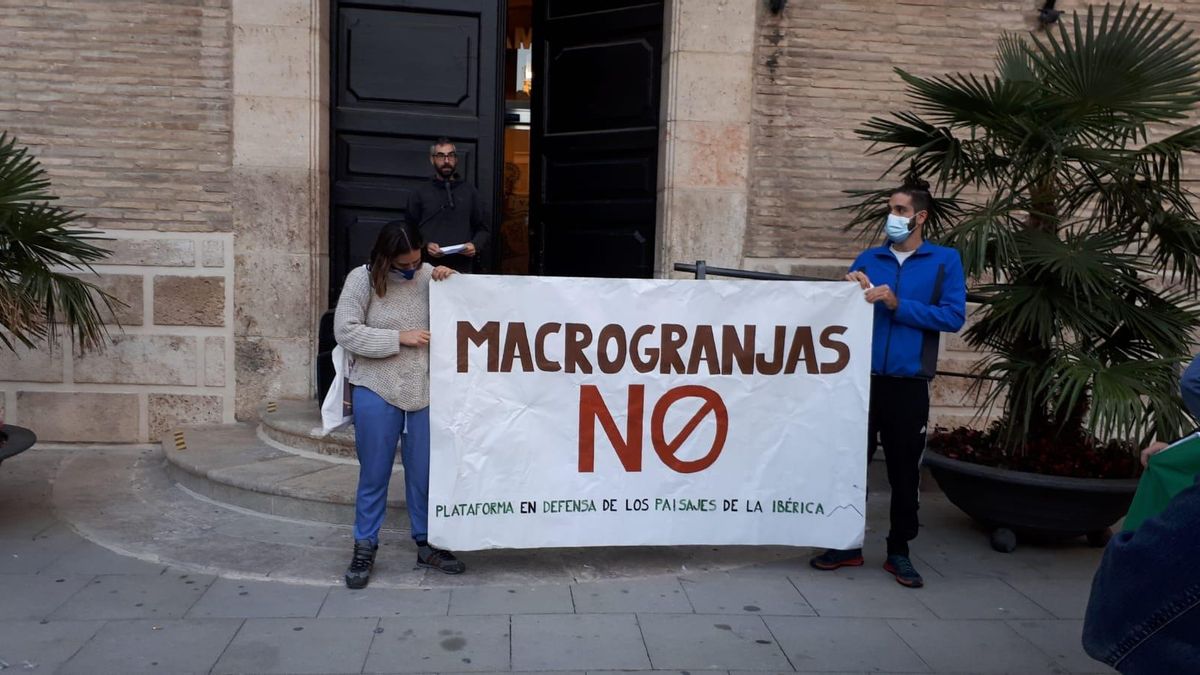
(280, 81)
(281, 155)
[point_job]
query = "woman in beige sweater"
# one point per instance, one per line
(382, 319)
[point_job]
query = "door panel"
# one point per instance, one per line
(406, 72)
(594, 155)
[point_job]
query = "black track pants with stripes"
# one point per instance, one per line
(898, 415)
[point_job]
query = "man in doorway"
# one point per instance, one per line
(449, 213)
(919, 291)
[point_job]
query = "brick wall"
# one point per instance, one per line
(821, 70)
(128, 104)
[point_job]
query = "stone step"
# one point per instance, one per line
(124, 500)
(296, 424)
(233, 464)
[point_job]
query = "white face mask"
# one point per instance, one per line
(896, 228)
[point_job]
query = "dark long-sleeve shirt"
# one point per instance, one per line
(449, 213)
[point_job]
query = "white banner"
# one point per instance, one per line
(610, 412)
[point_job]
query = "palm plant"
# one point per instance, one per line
(1063, 189)
(37, 250)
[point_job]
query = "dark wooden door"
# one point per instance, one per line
(404, 73)
(594, 165)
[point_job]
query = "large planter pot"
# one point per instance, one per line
(14, 440)
(1016, 503)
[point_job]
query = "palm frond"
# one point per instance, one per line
(1075, 216)
(36, 243)
(1014, 62)
(1138, 66)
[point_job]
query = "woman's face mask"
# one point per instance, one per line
(405, 267)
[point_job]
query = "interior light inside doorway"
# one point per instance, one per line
(525, 69)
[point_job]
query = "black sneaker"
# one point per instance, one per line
(436, 558)
(905, 573)
(359, 571)
(835, 558)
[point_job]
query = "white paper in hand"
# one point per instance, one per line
(451, 250)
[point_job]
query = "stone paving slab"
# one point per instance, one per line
(662, 672)
(972, 646)
(849, 644)
(30, 554)
(869, 596)
(440, 644)
(971, 558)
(728, 594)
(141, 646)
(614, 609)
(979, 599)
(168, 596)
(1060, 640)
(710, 641)
(245, 599)
(88, 558)
(42, 646)
(342, 602)
(660, 596)
(587, 641)
(876, 596)
(1073, 560)
(25, 487)
(298, 646)
(29, 596)
(511, 600)
(1064, 598)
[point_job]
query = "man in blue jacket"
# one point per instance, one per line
(919, 291)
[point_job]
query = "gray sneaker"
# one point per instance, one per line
(902, 568)
(436, 558)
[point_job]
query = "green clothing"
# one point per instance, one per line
(1167, 474)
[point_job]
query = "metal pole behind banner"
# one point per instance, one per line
(701, 269)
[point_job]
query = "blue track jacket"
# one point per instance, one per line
(932, 291)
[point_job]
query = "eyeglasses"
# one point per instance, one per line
(443, 156)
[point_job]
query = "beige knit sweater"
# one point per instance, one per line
(369, 326)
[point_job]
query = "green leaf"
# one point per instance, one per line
(36, 244)
(1082, 233)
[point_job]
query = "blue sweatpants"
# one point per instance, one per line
(378, 425)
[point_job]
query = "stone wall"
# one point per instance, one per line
(169, 361)
(280, 173)
(704, 152)
(190, 132)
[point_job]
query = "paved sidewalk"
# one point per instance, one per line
(68, 605)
